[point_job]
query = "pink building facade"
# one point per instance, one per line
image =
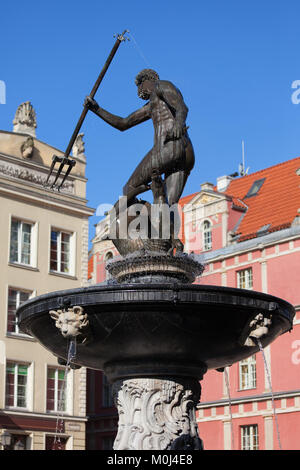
(247, 232)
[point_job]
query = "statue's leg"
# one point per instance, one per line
(137, 184)
(175, 183)
(140, 178)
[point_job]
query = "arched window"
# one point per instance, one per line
(207, 238)
(107, 258)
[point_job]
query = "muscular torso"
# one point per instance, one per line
(172, 150)
(166, 108)
(162, 119)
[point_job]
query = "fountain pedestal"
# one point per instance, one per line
(157, 414)
(154, 336)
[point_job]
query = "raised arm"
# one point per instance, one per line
(122, 124)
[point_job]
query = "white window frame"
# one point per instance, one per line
(249, 437)
(68, 391)
(72, 251)
(29, 387)
(248, 379)
(207, 235)
(32, 293)
(33, 242)
(245, 278)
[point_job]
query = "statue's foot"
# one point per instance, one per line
(135, 191)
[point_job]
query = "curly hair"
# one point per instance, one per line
(146, 74)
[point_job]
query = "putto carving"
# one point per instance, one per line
(25, 119)
(157, 414)
(72, 322)
(27, 147)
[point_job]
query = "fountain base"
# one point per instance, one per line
(157, 414)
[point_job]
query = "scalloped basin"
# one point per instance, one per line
(151, 330)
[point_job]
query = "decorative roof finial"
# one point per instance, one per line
(78, 147)
(25, 119)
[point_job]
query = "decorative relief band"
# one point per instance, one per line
(33, 176)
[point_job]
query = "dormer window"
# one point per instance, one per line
(255, 187)
(207, 238)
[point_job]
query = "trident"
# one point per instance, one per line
(65, 160)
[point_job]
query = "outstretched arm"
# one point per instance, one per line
(122, 124)
(173, 98)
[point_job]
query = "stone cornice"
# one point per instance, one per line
(26, 163)
(40, 199)
(33, 414)
(270, 239)
(12, 167)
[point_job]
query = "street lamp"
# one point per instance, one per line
(5, 439)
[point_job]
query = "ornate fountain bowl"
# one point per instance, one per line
(158, 267)
(155, 330)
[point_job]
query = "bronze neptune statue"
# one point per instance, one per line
(172, 153)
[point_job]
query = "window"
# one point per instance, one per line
(255, 187)
(21, 242)
(60, 252)
(249, 437)
(18, 442)
(15, 298)
(207, 238)
(107, 398)
(247, 373)
(16, 385)
(245, 279)
(60, 443)
(194, 218)
(56, 394)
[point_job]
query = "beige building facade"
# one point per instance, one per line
(44, 248)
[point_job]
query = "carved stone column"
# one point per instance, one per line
(157, 414)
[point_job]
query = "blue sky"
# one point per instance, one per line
(233, 61)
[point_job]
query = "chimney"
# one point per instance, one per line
(223, 182)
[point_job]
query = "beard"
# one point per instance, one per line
(144, 95)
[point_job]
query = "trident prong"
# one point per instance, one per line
(63, 162)
(121, 37)
(71, 163)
